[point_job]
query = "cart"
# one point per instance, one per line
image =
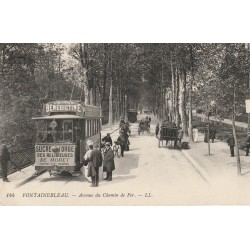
(144, 127)
(168, 134)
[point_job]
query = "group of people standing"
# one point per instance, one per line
(231, 144)
(94, 159)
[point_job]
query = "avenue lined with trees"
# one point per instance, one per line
(170, 79)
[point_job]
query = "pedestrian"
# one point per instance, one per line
(179, 138)
(157, 128)
(231, 144)
(108, 162)
(4, 158)
(107, 138)
(93, 158)
(247, 143)
(122, 139)
(212, 133)
(195, 133)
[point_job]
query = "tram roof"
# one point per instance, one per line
(52, 117)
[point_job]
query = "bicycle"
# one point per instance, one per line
(117, 149)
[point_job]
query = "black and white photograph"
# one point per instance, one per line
(125, 123)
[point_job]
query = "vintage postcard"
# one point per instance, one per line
(124, 124)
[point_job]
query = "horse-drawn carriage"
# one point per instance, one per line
(144, 126)
(169, 134)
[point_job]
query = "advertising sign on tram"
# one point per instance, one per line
(59, 155)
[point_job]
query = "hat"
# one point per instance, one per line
(90, 143)
(107, 144)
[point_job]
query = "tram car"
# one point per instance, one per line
(62, 134)
(132, 115)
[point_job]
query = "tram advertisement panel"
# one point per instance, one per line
(59, 155)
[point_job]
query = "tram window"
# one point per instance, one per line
(87, 128)
(41, 130)
(58, 131)
(68, 131)
(76, 130)
(91, 128)
(97, 126)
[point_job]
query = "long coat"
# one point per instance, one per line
(230, 141)
(94, 160)
(212, 133)
(108, 162)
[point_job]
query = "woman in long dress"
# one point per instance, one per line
(195, 133)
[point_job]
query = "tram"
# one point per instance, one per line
(132, 115)
(62, 134)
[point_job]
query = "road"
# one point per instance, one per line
(146, 175)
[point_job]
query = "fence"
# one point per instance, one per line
(20, 159)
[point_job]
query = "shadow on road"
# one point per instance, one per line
(127, 163)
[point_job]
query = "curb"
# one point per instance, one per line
(197, 167)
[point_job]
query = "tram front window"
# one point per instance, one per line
(56, 131)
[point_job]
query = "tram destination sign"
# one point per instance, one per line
(59, 155)
(71, 106)
(63, 106)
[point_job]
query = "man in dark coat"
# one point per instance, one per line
(206, 134)
(93, 158)
(122, 140)
(157, 128)
(247, 143)
(4, 158)
(108, 162)
(231, 144)
(212, 133)
(107, 138)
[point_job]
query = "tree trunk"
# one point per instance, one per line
(208, 134)
(172, 109)
(235, 136)
(177, 89)
(125, 108)
(182, 77)
(190, 120)
(111, 93)
(83, 60)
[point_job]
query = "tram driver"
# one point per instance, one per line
(49, 136)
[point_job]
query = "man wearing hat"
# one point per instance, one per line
(231, 143)
(107, 138)
(4, 158)
(247, 143)
(93, 158)
(123, 140)
(108, 162)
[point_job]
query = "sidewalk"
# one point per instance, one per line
(219, 165)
